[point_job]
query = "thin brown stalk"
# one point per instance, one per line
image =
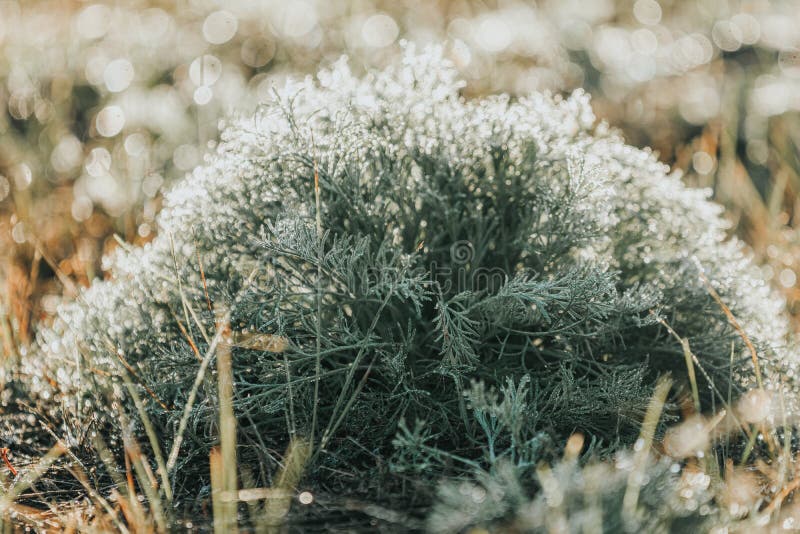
(130, 370)
(203, 278)
(735, 324)
(688, 356)
(188, 337)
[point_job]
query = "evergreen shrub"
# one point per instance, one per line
(472, 282)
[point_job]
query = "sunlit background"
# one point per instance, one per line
(103, 105)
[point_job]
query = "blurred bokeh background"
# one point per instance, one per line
(104, 104)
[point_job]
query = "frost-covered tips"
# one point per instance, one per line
(483, 278)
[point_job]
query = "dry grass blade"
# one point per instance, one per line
(144, 475)
(573, 447)
(279, 498)
(552, 490)
(689, 356)
(318, 291)
(248, 494)
(643, 444)
(42, 521)
(32, 475)
(217, 504)
(227, 428)
(261, 342)
(203, 278)
(188, 337)
(187, 409)
(178, 278)
(110, 514)
(70, 286)
(336, 416)
(127, 367)
(151, 436)
(735, 324)
(17, 292)
(4, 456)
(31, 515)
(124, 493)
(9, 342)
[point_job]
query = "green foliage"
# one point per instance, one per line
(481, 280)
